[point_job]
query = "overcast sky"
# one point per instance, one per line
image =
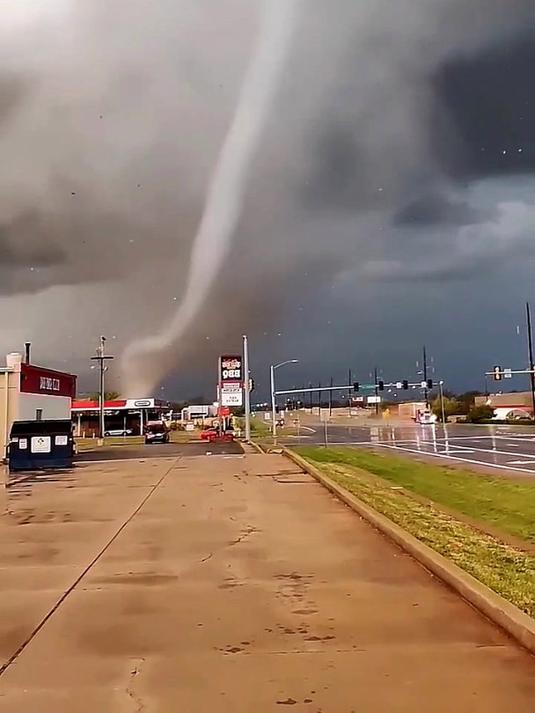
(391, 204)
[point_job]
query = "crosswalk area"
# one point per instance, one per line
(499, 447)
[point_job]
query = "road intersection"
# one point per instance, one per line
(509, 448)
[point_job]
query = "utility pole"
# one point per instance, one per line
(426, 393)
(247, 389)
(331, 398)
(376, 392)
(310, 394)
(530, 352)
(349, 381)
(101, 357)
(319, 400)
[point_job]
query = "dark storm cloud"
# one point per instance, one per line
(434, 207)
(372, 163)
(28, 236)
(12, 92)
(27, 249)
(24, 255)
(489, 100)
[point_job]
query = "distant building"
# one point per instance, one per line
(519, 402)
(122, 416)
(198, 412)
(32, 393)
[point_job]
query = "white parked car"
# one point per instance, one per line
(509, 414)
(119, 432)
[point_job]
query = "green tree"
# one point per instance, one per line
(452, 407)
(467, 400)
(477, 414)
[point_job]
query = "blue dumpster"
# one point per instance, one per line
(41, 444)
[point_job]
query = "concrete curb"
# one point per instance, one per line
(501, 612)
(256, 447)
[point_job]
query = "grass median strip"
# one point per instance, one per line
(505, 504)
(506, 570)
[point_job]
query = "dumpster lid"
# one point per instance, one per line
(40, 428)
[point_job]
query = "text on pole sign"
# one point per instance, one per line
(230, 368)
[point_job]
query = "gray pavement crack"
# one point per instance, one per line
(152, 489)
(248, 532)
(136, 699)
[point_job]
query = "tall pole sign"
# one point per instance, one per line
(231, 379)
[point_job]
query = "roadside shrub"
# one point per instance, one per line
(479, 414)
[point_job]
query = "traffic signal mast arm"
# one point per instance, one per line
(345, 387)
(406, 385)
(500, 373)
(356, 387)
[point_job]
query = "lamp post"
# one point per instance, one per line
(273, 367)
(440, 385)
(247, 389)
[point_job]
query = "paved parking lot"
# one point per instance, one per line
(159, 450)
(230, 584)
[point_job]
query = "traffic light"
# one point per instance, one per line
(356, 387)
(498, 373)
(405, 384)
(381, 385)
(430, 384)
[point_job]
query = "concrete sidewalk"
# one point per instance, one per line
(231, 584)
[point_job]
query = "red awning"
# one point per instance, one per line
(94, 405)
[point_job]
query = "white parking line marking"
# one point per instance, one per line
(462, 460)
(473, 448)
(459, 450)
(504, 453)
(426, 448)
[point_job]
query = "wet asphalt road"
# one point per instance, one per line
(510, 448)
(159, 450)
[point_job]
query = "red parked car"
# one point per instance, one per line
(213, 434)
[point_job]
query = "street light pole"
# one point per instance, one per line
(273, 404)
(273, 393)
(440, 384)
(247, 389)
